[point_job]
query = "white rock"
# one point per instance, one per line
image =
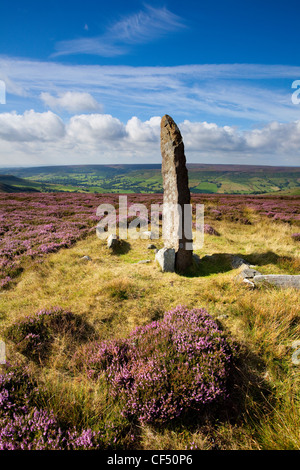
(249, 283)
(113, 241)
(166, 259)
(148, 235)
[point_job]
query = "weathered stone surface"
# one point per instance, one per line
(279, 280)
(166, 259)
(176, 193)
(247, 273)
(113, 241)
(237, 262)
(249, 283)
(86, 258)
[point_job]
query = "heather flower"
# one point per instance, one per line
(167, 367)
(296, 236)
(23, 426)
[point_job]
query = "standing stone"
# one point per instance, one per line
(176, 192)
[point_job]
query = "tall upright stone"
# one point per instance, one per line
(177, 225)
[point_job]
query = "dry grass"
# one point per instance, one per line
(114, 295)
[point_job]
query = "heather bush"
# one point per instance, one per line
(23, 426)
(296, 236)
(33, 335)
(166, 367)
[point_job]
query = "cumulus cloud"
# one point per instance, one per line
(275, 137)
(95, 128)
(204, 136)
(71, 101)
(143, 132)
(31, 126)
(102, 138)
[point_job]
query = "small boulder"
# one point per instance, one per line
(247, 273)
(148, 234)
(166, 259)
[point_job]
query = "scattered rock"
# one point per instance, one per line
(237, 262)
(143, 261)
(279, 280)
(151, 247)
(249, 283)
(222, 316)
(166, 259)
(247, 272)
(86, 258)
(148, 234)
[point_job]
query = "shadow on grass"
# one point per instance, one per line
(34, 336)
(122, 248)
(222, 263)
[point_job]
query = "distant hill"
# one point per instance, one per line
(13, 184)
(203, 178)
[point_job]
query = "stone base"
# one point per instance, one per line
(166, 259)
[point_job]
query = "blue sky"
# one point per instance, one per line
(87, 82)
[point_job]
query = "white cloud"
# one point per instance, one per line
(144, 26)
(213, 92)
(203, 137)
(144, 132)
(138, 28)
(42, 138)
(71, 101)
(31, 126)
(95, 128)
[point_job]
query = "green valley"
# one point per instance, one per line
(203, 178)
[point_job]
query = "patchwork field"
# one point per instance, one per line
(209, 179)
(79, 322)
